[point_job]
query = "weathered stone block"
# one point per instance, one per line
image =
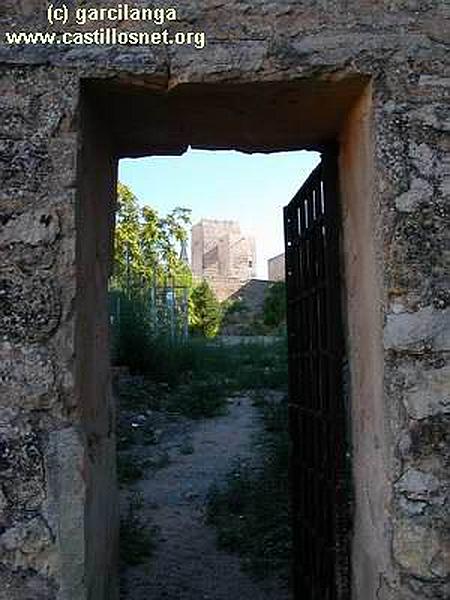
(25, 164)
(27, 377)
(25, 546)
(428, 392)
(33, 227)
(422, 551)
(419, 491)
(418, 485)
(423, 158)
(21, 468)
(25, 584)
(29, 306)
(420, 191)
(427, 327)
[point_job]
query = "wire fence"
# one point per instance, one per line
(163, 309)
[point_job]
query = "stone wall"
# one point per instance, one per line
(56, 433)
(300, 69)
(276, 268)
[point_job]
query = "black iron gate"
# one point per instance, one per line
(320, 498)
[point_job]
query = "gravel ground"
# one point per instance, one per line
(187, 565)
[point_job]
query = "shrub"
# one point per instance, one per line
(234, 307)
(205, 311)
(129, 469)
(274, 309)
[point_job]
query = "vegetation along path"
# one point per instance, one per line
(190, 529)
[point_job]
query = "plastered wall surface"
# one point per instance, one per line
(374, 75)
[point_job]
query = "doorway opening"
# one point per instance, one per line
(253, 118)
(203, 409)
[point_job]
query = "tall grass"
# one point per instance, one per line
(137, 538)
(175, 360)
(198, 373)
(195, 377)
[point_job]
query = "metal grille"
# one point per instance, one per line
(318, 418)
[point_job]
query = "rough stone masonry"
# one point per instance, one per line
(222, 255)
(356, 68)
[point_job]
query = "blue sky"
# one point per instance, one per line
(252, 189)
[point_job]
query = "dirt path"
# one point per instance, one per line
(187, 565)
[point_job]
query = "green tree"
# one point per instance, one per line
(205, 313)
(147, 246)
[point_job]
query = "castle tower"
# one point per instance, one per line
(222, 255)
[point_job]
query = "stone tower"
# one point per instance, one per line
(222, 255)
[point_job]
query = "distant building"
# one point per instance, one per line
(222, 255)
(276, 268)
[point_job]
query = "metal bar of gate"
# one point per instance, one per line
(318, 421)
